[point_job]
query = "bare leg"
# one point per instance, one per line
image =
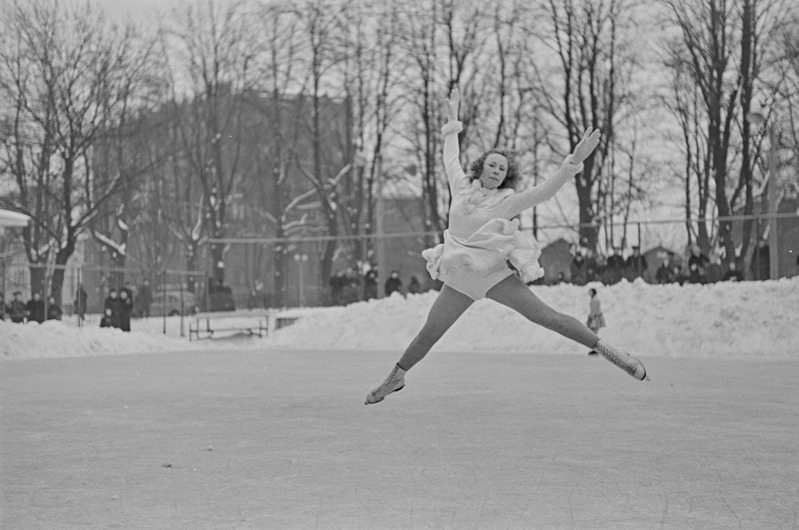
(447, 308)
(512, 292)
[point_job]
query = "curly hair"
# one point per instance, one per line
(511, 178)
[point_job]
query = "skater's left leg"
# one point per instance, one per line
(513, 293)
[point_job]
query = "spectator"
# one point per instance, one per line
(637, 263)
(559, 279)
(733, 274)
(596, 319)
(107, 321)
(615, 261)
(677, 275)
(35, 308)
(54, 312)
(414, 287)
(578, 269)
(697, 265)
(370, 284)
(80, 302)
(336, 284)
(591, 266)
(3, 307)
(125, 309)
(714, 273)
(761, 262)
(112, 307)
(16, 309)
(393, 284)
(664, 274)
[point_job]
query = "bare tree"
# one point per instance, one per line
(720, 52)
(213, 62)
(72, 80)
(587, 37)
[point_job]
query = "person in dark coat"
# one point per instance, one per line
(107, 321)
(35, 308)
(54, 312)
(414, 287)
(144, 299)
(81, 297)
(370, 284)
(664, 273)
(761, 262)
(579, 273)
(393, 284)
(125, 309)
(16, 309)
(636, 263)
(113, 307)
(733, 274)
(3, 307)
(697, 266)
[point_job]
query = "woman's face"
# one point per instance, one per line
(495, 169)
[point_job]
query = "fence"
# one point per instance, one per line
(279, 273)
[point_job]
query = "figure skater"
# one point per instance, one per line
(596, 319)
(481, 237)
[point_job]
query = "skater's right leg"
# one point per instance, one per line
(448, 307)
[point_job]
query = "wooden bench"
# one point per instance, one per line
(210, 323)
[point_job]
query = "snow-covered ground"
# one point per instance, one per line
(725, 320)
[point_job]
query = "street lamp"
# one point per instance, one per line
(758, 118)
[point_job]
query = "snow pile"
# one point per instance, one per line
(57, 339)
(748, 319)
(724, 320)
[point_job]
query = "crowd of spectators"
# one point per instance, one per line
(348, 286)
(19, 311)
(694, 268)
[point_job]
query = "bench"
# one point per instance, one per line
(210, 323)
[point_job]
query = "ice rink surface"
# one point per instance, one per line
(277, 439)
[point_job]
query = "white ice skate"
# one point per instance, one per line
(623, 360)
(393, 383)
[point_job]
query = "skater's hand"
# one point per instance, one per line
(586, 146)
(452, 104)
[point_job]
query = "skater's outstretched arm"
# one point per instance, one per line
(518, 202)
(452, 163)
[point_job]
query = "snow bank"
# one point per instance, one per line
(726, 320)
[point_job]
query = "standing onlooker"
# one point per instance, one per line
(733, 274)
(35, 308)
(370, 284)
(3, 307)
(596, 319)
(697, 265)
(125, 309)
(393, 284)
(579, 274)
(16, 309)
(761, 262)
(414, 287)
(112, 307)
(54, 312)
(107, 321)
(664, 273)
(636, 263)
(81, 298)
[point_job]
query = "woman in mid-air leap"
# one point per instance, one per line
(481, 238)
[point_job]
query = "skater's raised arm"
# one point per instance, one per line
(573, 164)
(452, 164)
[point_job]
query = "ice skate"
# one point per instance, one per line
(393, 383)
(623, 360)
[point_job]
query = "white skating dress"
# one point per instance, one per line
(482, 233)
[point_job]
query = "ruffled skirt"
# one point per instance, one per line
(477, 263)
